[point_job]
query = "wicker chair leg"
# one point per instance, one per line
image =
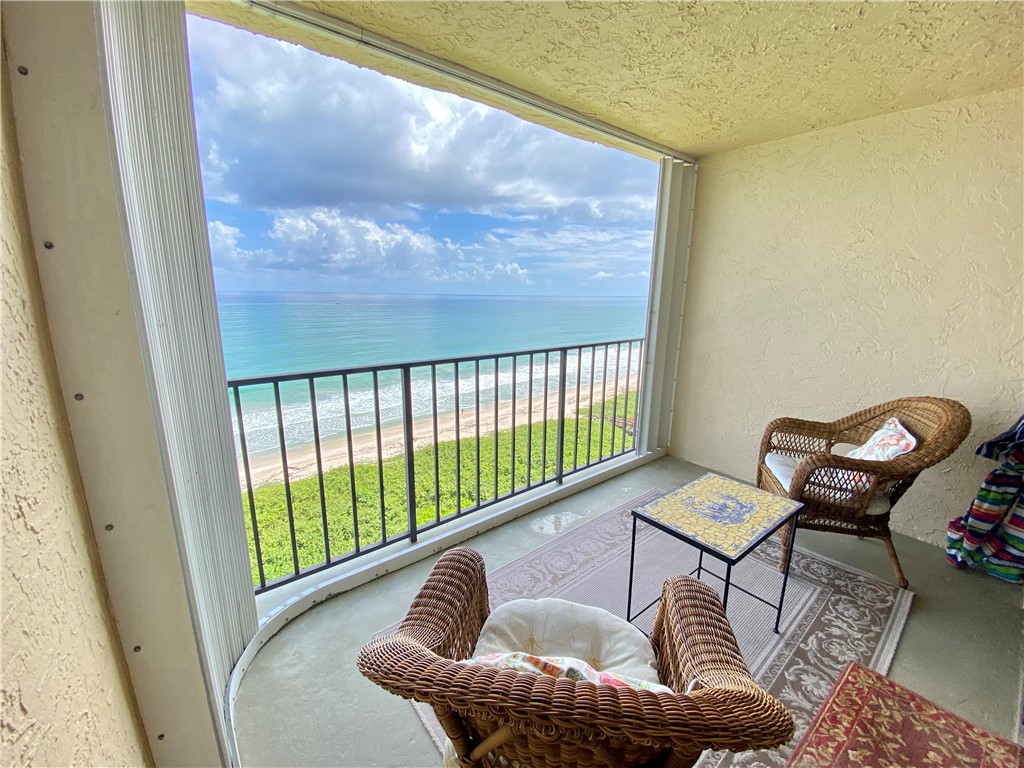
(896, 562)
(784, 550)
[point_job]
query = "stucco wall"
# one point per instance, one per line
(842, 268)
(66, 699)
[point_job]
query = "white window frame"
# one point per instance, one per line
(131, 309)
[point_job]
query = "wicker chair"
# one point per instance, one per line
(841, 494)
(495, 716)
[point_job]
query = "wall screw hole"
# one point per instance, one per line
(48, 245)
(79, 397)
(108, 527)
(161, 737)
(22, 70)
(137, 648)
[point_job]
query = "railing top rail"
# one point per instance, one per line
(303, 376)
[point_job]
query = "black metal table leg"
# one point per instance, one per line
(728, 578)
(785, 574)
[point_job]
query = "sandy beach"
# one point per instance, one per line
(302, 462)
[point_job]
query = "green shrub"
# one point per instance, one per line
(588, 435)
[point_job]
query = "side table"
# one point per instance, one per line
(721, 518)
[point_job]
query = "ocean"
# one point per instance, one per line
(266, 333)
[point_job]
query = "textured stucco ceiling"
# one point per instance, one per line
(705, 77)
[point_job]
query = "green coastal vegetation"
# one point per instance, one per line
(594, 432)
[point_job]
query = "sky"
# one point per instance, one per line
(322, 176)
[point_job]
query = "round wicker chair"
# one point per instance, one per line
(837, 491)
(494, 717)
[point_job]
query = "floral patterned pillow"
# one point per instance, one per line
(563, 666)
(887, 443)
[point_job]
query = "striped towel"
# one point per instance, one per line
(991, 535)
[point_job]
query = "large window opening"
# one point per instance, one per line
(427, 305)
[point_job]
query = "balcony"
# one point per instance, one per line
(848, 261)
(302, 701)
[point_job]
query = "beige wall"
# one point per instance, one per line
(842, 268)
(66, 698)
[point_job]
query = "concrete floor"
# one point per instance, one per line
(303, 703)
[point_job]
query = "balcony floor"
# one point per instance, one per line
(303, 702)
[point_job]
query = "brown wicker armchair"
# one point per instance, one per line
(854, 496)
(493, 716)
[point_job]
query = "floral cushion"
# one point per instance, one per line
(565, 667)
(887, 443)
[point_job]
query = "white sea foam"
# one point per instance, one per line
(262, 430)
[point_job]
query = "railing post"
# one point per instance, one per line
(410, 462)
(563, 353)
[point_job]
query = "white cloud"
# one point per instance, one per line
(328, 243)
(228, 255)
(576, 247)
(285, 128)
(214, 168)
(363, 181)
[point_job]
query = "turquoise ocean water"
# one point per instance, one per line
(268, 333)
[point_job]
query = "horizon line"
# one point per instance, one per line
(440, 295)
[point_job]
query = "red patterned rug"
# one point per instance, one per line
(868, 721)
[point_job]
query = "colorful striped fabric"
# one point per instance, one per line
(991, 535)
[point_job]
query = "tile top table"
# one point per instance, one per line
(721, 518)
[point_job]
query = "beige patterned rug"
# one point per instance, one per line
(832, 614)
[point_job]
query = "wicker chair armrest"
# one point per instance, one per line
(692, 637)
(693, 641)
(811, 469)
(842, 481)
(451, 607)
(798, 436)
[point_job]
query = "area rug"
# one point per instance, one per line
(868, 720)
(832, 614)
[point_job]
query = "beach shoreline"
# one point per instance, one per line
(334, 453)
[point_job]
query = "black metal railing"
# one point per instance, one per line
(336, 464)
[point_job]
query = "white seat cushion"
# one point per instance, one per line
(553, 627)
(783, 467)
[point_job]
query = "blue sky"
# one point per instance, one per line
(323, 176)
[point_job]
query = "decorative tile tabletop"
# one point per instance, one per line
(721, 514)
